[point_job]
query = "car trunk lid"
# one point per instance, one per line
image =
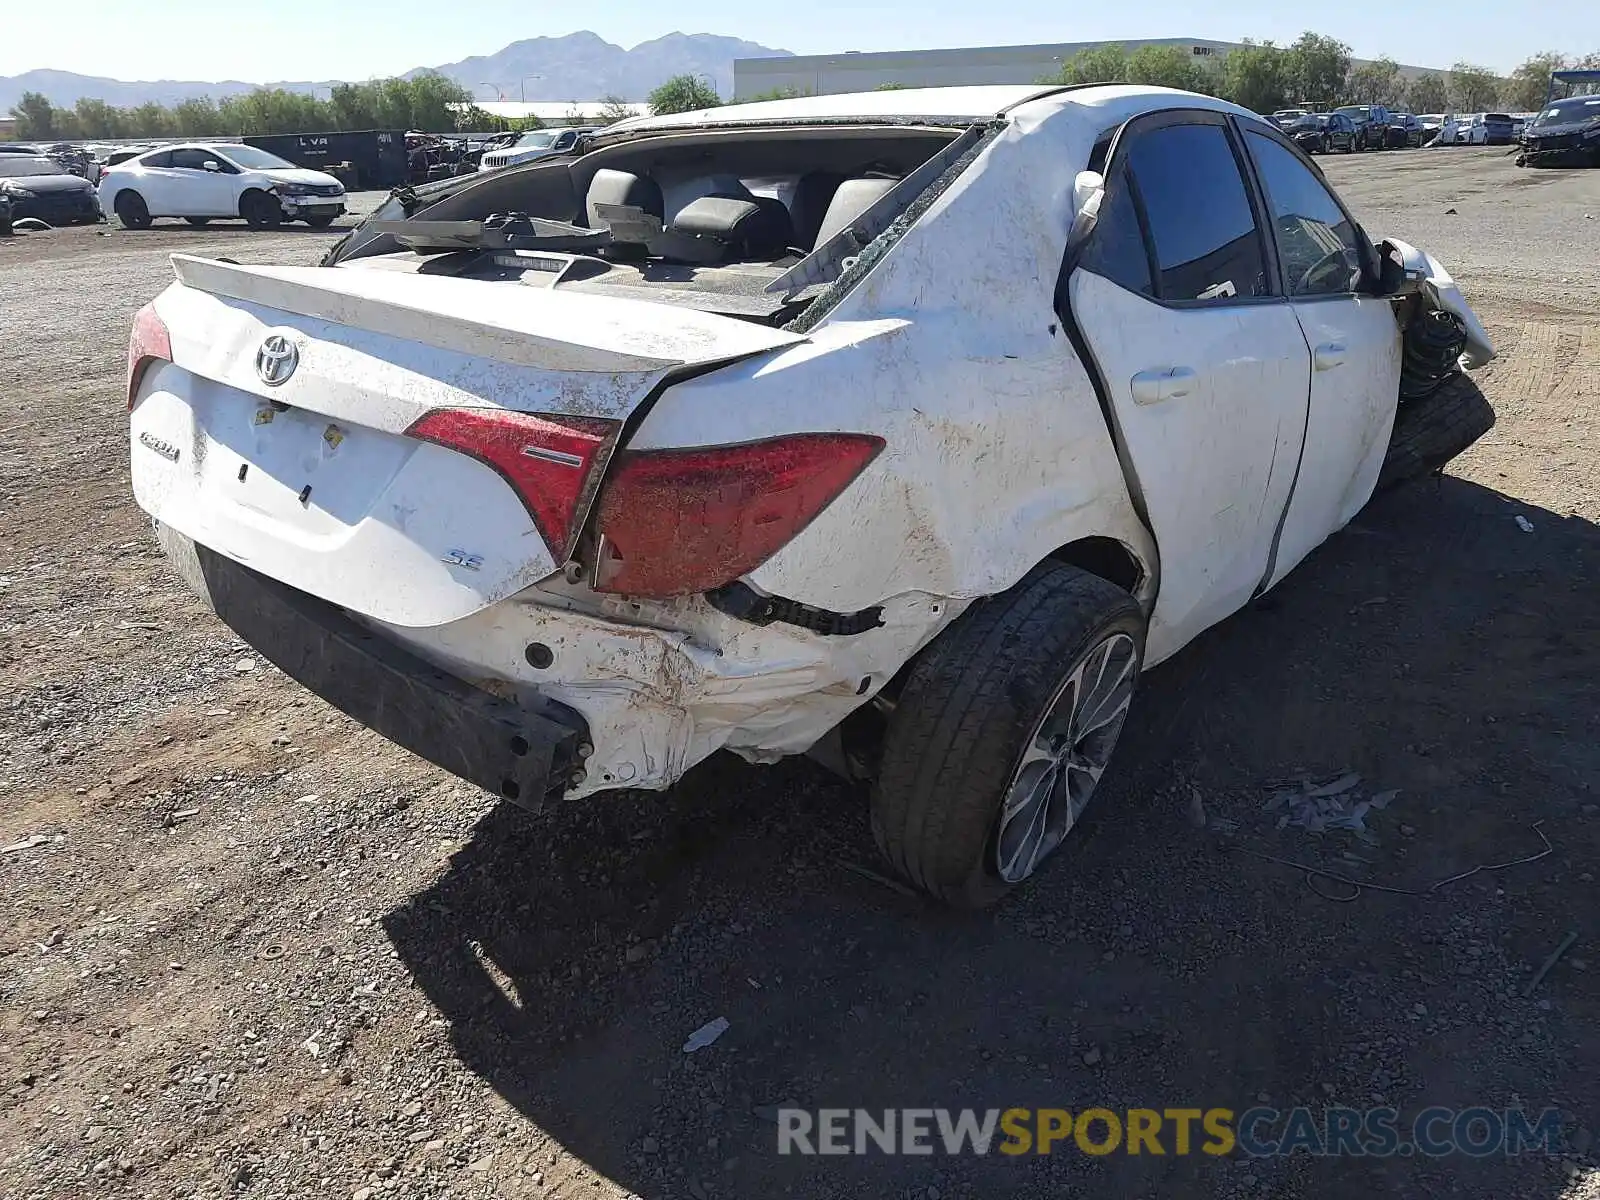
(410, 447)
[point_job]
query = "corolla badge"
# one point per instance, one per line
(277, 359)
(166, 449)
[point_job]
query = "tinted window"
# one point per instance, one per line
(1317, 243)
(1206, 242)
(192, 158)
(1117, 248)
(253, 158)
(164, 159)
(1580, 108)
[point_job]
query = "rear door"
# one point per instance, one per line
(1205, 365)
(1353, 340)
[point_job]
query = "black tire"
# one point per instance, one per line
(320, 222)
(131, 210)
(260, 211)
(197, 221)
(1431, 430)
(970, 707)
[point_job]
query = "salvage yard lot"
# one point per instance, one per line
(260, 952)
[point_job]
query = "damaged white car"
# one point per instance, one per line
(905, 429)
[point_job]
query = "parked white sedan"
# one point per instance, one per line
(203, 181)
(905, 428)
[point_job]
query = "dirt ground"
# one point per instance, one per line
(262, 953)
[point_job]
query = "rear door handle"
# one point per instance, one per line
(1328, 355)
(1162, 383)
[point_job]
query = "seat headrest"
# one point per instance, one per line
(724, 227)
(852, 199)
(813, 192)
(621, 187)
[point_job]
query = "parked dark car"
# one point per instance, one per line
(1372, 124)
(1498, 129)
(1405, 131)
(1566, 132)
(40, 187)
(1322, 133)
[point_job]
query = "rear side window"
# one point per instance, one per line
(1207, 246)
(164, 159)
(1117, 250)
(1318, 245)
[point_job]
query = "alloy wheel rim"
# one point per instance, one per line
(1068, 752)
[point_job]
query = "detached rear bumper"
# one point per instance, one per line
(521, 755)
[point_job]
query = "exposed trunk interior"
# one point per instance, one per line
(708, 220)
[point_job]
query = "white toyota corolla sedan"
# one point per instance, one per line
(905, 429)
(205, 181)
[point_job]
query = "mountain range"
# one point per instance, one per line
(577, 66)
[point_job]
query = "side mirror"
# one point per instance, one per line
(212, 164)
(1088, 190)
(1396, 276)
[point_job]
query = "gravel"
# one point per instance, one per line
(251, 949)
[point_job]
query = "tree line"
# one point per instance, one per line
(428, 103)
(1314, 70)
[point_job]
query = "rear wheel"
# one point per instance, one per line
(260, 211)
(1002, 732)
(132, 211)
(320, 222)
(1431, 430)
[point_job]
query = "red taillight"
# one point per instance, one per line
(148, 342)
(548, 460)
(676, 522)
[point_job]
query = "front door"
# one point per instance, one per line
(1205, 364)
(199, 192)
(1354, 343)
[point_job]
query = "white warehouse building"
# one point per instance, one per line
(823, 74)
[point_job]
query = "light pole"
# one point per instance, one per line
(493, 87)
(523, 86)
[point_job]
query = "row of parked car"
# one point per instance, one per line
(204, 181)
(1374, 127)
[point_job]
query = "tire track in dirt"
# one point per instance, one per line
(1582, 378)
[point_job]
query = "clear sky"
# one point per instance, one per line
(358, 39)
